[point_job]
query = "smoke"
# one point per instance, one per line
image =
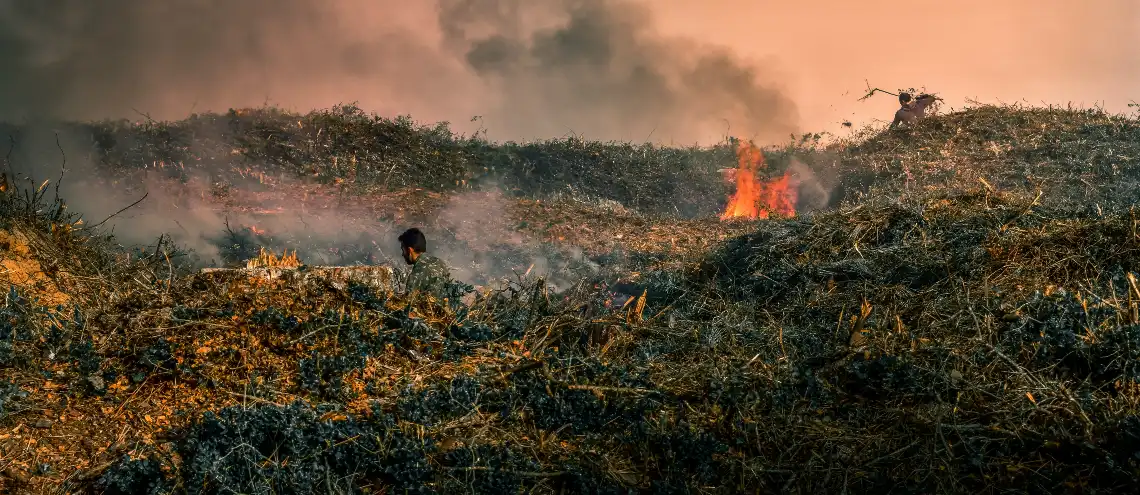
(551, 67)
(180, 203)
(812, 192)
(602, 69)
(479, 222)
(474, 231)
(476, 234)
(599, 70)
(530, 69)
(76, 59)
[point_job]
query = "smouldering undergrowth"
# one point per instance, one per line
(958, 339)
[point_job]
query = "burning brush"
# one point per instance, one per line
(266, 259)
(754, 198)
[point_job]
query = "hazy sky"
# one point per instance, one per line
(680, 70)
(1047, 51)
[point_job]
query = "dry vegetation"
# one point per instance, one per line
(963, 317)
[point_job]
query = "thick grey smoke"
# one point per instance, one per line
(474, 231)
(597, 68)
(77, 59)
(531, 69)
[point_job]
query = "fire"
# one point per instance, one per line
(267, 259)
(755, 198)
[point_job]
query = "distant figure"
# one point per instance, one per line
(911, 109)
(429, 274)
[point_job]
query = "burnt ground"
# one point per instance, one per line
(959, 317)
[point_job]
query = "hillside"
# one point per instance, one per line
(953, 308)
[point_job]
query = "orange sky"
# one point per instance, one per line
(1039, 52)
(789, 66)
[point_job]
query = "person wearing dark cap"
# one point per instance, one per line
(429, 273)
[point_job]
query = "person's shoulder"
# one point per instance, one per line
(433, 262)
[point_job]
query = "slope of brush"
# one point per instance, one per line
(366, 153)
(1073, 156)
(951, 341)
(381, 174)
(1064, 151)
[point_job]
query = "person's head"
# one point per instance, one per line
(412, 244)
(904, 98)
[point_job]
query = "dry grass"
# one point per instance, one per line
(950, 339)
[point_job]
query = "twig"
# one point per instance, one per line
(599, 388)
(892, 454)
(253, 398)
(132, 396)
(1028, 209)
(518, 369)
(92, 473)
(120, 211)
(872, 91)
(8, 156)
(144, 115)
(529, 474)
(62, 166)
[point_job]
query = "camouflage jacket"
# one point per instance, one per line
(429, 274)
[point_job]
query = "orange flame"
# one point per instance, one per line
(267, 259)
(754, 198)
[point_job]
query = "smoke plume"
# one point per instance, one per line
(601, 69)
(474, 231)
(530, 69)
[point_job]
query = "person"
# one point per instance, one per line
(429, 273)
(911, 109)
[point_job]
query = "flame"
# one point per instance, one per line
(267, 259)
(755, 198)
